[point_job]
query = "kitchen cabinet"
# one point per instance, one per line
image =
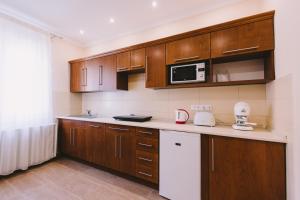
(147, 153)
(120, 148)
(188, 49)
(95, 143)
(248, 38)
(137, 59)
(156, 70)
(78, 77)
(123, 61)
(243, 169)
(94, 74)
(73, 138)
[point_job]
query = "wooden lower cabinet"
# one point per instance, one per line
(120, 148)
(241, 169)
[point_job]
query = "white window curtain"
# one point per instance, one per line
(27, 130)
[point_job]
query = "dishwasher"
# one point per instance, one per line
(180, 165)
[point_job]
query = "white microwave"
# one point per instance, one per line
(187, 73)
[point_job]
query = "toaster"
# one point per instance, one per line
(204, 118)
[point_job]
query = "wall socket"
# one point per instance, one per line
(201, 107)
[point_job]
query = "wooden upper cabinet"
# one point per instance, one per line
(94, 72)
(108, 76)
(245, 169)
(156, 70)
(252, 37)
(188, 49)
(123, 61)
(137, 59)
(78, 79)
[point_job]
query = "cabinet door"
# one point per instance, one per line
(66, 136)
(112, 148)
(189, 49)
(108, 76)
(79, 139)
(253, 37)
(95, 143)
(78, 79)
(127, 150)
(94, 72)
(156, 70)
(246, 170)
(137, 59)
(123, 61)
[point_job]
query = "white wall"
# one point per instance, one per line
(65, 103)
(282, 95)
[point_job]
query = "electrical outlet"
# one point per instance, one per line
(201, 107)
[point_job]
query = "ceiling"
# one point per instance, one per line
(68, 17)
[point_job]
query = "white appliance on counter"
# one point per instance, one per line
(180, 165)
(204, 115)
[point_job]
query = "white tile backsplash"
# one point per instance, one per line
(161, 104)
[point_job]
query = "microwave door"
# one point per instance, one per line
(185, 74)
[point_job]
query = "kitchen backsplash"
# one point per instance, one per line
(161, 104)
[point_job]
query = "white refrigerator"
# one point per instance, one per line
(180, 165)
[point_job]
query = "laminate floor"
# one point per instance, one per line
(65, 179)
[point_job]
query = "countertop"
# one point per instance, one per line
(227, 131)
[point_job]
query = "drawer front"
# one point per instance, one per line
(147, 173)
(147, 159)
(147, 144)
(147, 132)
(112, 128)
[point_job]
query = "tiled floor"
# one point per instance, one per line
(65, 179)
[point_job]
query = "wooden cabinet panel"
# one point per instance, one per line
(120, 149)
(108, 77)
(78, 77)
(66, 138)
(188, 49)
(123, 61)
(156, 70)
(137, 59)
(94, 74)
(252, 37)
(95, 143)
(245, 169)
(80, 135)
(147, 132)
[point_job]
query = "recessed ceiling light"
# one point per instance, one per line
(154, 4)
(81, 32)
(111, 20)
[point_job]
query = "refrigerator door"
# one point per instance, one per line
(179, 165)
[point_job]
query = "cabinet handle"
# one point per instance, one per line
(238, 50)
(93, 126)
(146, 132)
(116, 145)
(120, 147)
(146, 174)
(85, 76)
(100, 75)
(146, 67)
(145, 159)
(119, 129)
(122, 68)
(74, 136)
(186, 59)
(137, 66)
(212, 155)
(145, 145)
(71, 132)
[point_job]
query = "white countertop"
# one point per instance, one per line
(227, 131)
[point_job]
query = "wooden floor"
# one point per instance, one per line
(65, 179)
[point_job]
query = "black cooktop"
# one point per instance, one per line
(133, 118)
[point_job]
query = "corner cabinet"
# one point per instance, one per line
(239, 169)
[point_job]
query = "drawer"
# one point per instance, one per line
(118, 128)
(147, 173)
(147, 159)
(147, 144)
(147, 132)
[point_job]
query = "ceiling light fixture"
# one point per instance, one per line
(154, 4)
(81, 32)
(111, 20)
